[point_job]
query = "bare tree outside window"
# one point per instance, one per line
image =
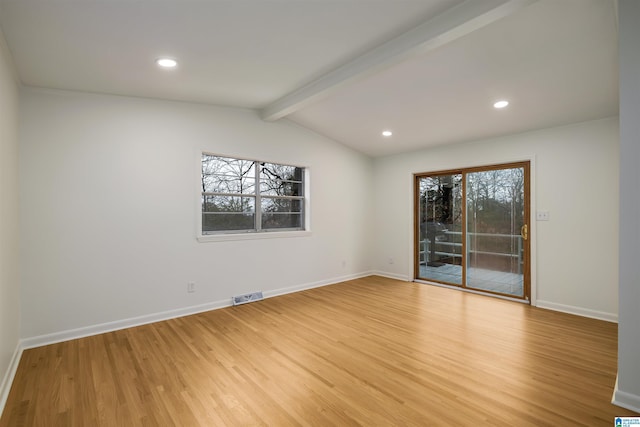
(281, 187)
(248, 196)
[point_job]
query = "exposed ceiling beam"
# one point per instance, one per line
(444, 28)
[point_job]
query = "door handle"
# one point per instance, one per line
(524, 232)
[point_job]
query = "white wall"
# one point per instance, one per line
(628, 388)
(109, 197)
(9, 223)
(575, 179)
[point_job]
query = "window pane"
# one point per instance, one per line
(282, 220)
(281, 213)
(281, 188)
(227, 204)
(224, 213)
(212, 222)
(224, 175)
(281, 180)
(273, 205)
(440, 232)
(276, 171)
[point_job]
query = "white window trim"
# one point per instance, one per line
(202, 238)
(250, 235)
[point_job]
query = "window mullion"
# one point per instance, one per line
(258, 206)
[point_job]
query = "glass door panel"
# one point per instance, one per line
(495, 231)
(440, 228)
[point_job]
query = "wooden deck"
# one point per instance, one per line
(370, 352)
(481, 279)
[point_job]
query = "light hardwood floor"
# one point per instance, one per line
(371, 352)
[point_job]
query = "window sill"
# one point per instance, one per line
(252, 236)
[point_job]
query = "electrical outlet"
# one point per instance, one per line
(191, 287)
(542, 216)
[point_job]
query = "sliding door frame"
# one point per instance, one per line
(528, 244)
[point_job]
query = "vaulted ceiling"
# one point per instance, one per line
(428, 70)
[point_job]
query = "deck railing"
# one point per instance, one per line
(425, 247)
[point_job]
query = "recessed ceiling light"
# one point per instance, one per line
(387, 133)
(167, 62)
(501, 104)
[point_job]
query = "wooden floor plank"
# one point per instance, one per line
(371, 351)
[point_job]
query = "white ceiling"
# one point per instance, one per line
(427, 69)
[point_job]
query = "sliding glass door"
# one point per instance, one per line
(496, 231)
(472, 229)
(440, 228)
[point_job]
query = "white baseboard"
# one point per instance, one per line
(304, 287)
(102, 328)
(402, 277)
(5, 387)
(71, 334)
(579, 311)
(625, 400)
(585, 312)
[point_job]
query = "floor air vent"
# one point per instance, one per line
(251, 297)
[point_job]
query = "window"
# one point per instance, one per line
(242, 196)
